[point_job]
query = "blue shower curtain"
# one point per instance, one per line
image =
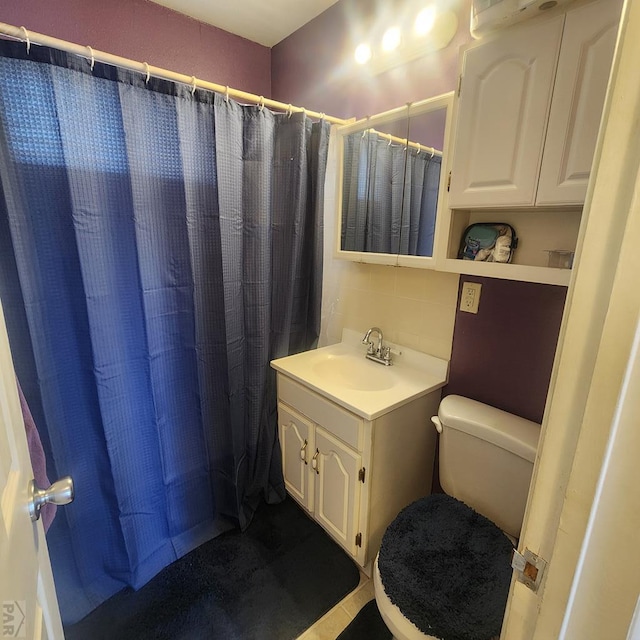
(157, 248)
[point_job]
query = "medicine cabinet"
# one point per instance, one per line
(392, 186)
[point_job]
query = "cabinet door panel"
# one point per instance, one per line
(337, 488)
(296, 434)
(578, 98)
(502, 113)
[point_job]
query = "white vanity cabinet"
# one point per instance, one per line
(529, 110)
(352, 474)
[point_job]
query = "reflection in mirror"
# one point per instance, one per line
(391, 180)
(372, 192)
(422, 183)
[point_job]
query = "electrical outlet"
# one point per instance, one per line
(470, 298)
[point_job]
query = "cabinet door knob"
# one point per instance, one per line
(303, 452)
(314, 461)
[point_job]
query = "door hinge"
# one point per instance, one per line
(449, 181)
(361, 474)
(529, 568)
(359, 540)
(459, 84)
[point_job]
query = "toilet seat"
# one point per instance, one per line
(435, 550)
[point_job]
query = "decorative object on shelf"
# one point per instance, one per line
(560, 258)
(488, 242)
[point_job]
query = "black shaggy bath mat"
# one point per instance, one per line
(367, 625)
(269, 583)
(447, 568)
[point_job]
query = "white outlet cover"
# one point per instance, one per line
(470, 298)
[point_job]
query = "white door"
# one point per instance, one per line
(505, 94)
(27, 593)
(337, 490)
(588, 43)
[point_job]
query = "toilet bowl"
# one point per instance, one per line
(443, 569)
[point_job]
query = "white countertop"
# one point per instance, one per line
(341, 373)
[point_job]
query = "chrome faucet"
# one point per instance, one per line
(380, 354)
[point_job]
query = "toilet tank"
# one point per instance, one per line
(486, 459)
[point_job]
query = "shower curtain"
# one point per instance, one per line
(158, 247)
(389, 198)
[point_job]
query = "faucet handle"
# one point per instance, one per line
(386, 354)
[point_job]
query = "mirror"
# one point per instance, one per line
(391, 186)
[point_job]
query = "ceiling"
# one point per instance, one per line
(264, 21)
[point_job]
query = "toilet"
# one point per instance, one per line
(443, 570)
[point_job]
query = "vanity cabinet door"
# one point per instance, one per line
(337, 488)
(587, 50)
(505, 93)
(296, 443)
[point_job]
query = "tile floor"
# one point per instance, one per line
(331, 625)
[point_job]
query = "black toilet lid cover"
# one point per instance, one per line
(447, 568)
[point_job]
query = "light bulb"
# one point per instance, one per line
(391, 39)
(425, 20)
(362, 53)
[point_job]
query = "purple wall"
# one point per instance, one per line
(503, 355)
(313, 66)
(147, 32)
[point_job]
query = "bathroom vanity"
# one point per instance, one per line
(356, 436)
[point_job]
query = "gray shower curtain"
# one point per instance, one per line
(157, 248)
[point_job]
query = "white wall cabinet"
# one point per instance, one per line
(504, 98)
(588, 43)
(529, 110)
(354, 475)
(526, 125)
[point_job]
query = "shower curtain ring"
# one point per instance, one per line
(419, 150)
(148, 73)
(322, 116)
(226, 94)
(26, 38)
(433, 152)
(261, 104)
(92, 60)
(193, 85)
(290, 110)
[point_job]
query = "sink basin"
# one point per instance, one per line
(355, 373)
(341, 373)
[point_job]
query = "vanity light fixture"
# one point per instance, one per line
(391, 39)
(425, 21)
(362, 53)
(423, 29)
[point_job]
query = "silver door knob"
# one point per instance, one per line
(60, 492)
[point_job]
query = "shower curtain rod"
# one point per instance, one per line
(406, 142)
(148, 70)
